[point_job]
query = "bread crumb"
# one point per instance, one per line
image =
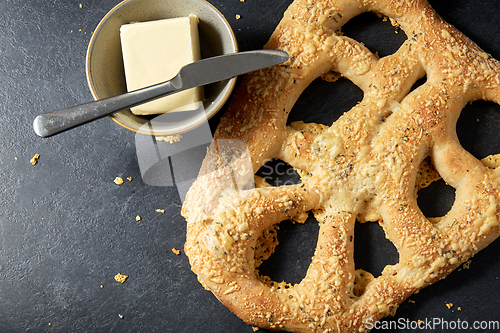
(160, 211)
(459, 308)
(238, 16)
(129, 179)
(34, 159)
(118, 180)
(411, 301)
(121, 316)
(81, 5)
(177, 252)
(137, 218)
(255, 329)
(169, 138)
(121, 278)
(466, 264)
(449, 305)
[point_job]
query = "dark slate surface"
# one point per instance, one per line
(66, 229)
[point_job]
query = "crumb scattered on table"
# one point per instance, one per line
(129, 179)
(177, 252)
(160, 211)
(118, 180)
(137, 218)
(34, 159)
(238, 16)
(449, 305)
(169, 138)
(121, 278)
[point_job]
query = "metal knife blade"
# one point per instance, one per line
(195, 74)
(223, 67)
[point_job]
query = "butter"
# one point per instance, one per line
(153, 52)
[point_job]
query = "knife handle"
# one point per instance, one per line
(54, 122)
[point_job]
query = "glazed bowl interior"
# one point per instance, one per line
(104, 63)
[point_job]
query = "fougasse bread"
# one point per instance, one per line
(363, 167)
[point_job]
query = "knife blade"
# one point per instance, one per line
(195, 74)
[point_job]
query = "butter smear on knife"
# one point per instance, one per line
(154, 52)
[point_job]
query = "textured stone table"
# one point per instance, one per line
(66, 229)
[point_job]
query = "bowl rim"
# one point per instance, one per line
(227, 91)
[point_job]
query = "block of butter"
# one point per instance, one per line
(153, 52)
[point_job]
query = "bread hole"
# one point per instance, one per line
(292, 256)
(372, 250)
(376, 33)
(434, 197)
(478, 128)
(277, 173)
(324, 101)
(420, 82)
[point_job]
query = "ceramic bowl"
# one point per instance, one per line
(104, 63)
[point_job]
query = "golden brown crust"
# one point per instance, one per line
(364, 167)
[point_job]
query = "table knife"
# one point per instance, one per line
(195, 74)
